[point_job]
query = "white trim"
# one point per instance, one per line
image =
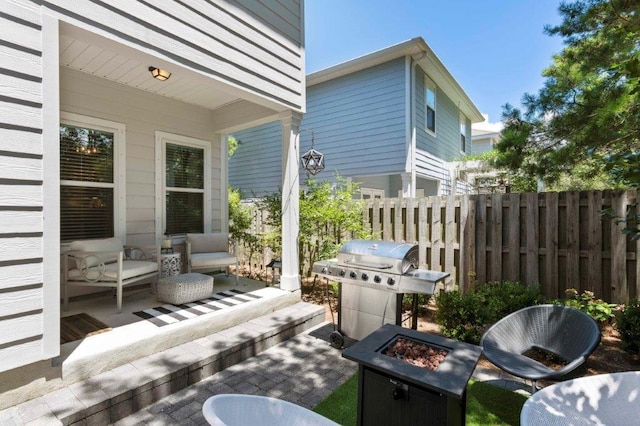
(120, 165)
(50, 188)
(224, 182)
(161, 179)
(462, 121)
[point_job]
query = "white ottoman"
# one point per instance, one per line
(185, 288)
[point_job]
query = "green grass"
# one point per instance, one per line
(486, 404)
(342, 405)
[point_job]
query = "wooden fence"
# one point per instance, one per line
(554, 240)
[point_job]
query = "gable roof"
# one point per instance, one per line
(425, 58)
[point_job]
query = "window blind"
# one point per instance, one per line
(184, 189)
(87, 189)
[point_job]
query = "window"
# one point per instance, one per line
(90, 157)
(185, 166)
(463, 133)
(430, 105)
(368, 193)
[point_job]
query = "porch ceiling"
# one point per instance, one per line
(90, 53)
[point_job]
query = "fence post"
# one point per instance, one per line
(423, 230)
(532, 239)
(594, 241)
(449, 237)
(619, 290)
(572, 268)
(481, 239)
(496, 237)
(551, 237)
(436, 234)
(514, 236)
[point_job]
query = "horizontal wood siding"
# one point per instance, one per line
(142, 113)
(359, 121)
(253, 45)
(446, 143)
(21, 176)
(479, 146)
(359, 125)
(431, 167)
(256, 167)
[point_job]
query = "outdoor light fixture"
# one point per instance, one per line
(312, 160)
(159, 74)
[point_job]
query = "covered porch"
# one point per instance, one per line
(136, 362)
(116, 183)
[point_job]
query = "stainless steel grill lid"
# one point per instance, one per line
(396, 257)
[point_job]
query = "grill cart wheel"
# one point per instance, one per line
(336, 339)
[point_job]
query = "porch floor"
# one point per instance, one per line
(107, 376)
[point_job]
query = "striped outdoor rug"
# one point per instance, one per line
(169, 314)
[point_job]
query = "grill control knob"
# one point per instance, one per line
(377, 279)
(324, 270)
(391, 281)
(342, 272)
(365, 276)
(353, 274)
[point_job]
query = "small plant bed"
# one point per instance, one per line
(416, 353)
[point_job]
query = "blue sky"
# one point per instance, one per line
(496, 49)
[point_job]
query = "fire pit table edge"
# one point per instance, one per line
(450, 378)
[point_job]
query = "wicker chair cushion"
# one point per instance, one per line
(205, 260)
(105, 245)
(130, 269)
(209, 243)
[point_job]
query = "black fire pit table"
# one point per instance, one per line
(392, 391)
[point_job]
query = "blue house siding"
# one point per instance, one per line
(358, 116)
(256, 167)
(446, 143)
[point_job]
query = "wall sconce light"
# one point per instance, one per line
(159, 74)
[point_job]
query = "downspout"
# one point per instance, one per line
(413, 123)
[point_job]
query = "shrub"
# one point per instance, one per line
(597, 309)
(466, 317)
(628, 325)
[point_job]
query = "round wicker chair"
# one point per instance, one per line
(562, 331)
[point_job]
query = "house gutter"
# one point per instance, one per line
(409, 185)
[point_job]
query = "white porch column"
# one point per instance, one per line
(408, 185)
(290, 121)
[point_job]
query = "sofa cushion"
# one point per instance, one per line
(112, 245)
(212, 260)
(209, 243)
(130, 269)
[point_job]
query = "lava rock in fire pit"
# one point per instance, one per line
(416, 353)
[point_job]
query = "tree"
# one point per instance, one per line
(587, 114)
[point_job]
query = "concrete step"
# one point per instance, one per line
(112, 395)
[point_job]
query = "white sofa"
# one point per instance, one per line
(210, 252)
(107, 263)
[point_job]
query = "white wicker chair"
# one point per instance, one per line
(210, 252)
(107, 263)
